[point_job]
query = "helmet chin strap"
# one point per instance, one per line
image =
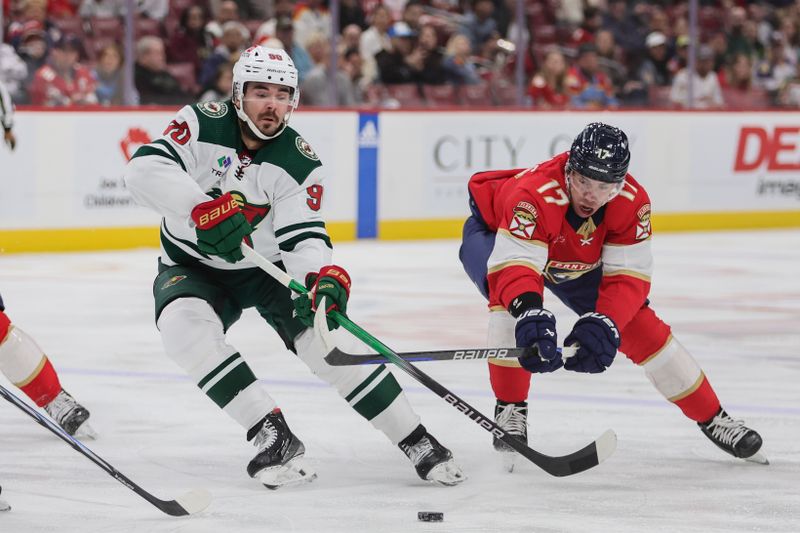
(254, 129)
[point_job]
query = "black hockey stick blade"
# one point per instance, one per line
(339, 358)
(190, 503)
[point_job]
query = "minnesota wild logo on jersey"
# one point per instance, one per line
(213, 109)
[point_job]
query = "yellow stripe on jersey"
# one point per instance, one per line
(510, 250)
(630, 273)
(636, 258)
(501, 266)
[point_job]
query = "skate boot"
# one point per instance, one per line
(70, 415)
(279, 461)
(513, 419)
(734, 437)
(3, 504)
(432, 461)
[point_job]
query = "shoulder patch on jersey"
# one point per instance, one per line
(523, 222)
(643, 230)
(306, 149)
(213, 109)
(173, 281)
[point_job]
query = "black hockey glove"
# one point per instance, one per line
(537, 328)
(597, 338)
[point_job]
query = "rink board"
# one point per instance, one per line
(403, 175)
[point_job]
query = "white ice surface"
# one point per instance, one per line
(733, 299)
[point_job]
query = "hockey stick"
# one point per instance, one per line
(583, 459)
(192, 502)
(339, 358)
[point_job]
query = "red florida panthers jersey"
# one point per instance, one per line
(540, 236)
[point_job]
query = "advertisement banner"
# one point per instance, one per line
(67, 169)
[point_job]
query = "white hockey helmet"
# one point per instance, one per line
(267, 65)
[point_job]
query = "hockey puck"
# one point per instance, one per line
(430, 516)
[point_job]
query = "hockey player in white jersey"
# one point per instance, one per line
(229, 171)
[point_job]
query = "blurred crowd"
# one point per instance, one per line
(578, 54)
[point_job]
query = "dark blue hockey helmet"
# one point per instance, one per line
(600, 152)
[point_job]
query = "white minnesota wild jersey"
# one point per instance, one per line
(201, 156)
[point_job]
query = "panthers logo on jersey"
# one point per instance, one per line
(643, 229)
(523, 223)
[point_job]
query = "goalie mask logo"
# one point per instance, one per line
(523, 223)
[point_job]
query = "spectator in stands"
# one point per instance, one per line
(743, 36)
(63, 81)
(254, 9)
(412, 15)
(315, 90)
(33, 50)
(33, 14)
(374, 39)
(108, 75)
(221, 87)
(548, 88)
(681, 57)
(190, 43)
(284, 31)
(479, 26)
(458, 62)
(282, 9)
(102, 9)
(738, 75)
(235, 38)
(350, 38)
(609, 59)
(774, 71)
(588, 86)
(719, 45)
(155, 84)
(706, 93)
(227, 11)
(310, 18)
(592, 23)
(398, 65)
(433, 70)
(655, 68)
(351, 13)
(629, 32)
(13, 73)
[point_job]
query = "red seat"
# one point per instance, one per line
(374, 95)
(544, 34)
(93, 46)
(505, 94)
(146, 26)
(185, 74)
(476, 95)
(110, 28)
(71, 25)
(658, 97)
(440, 95)
(406, 94)
(754, 98)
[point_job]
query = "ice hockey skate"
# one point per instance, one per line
(513, 419)
(432, 461)
(70, 415)
(734, 437)
(279, 461)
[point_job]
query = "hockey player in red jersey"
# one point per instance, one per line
(579, 225)
(26, 366)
